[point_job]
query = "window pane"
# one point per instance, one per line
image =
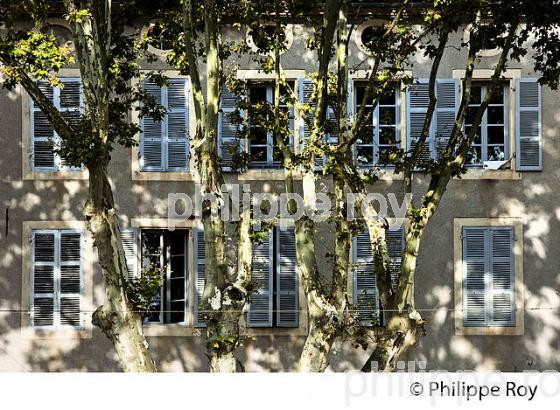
(475, 156)
(476, 94)
(387, 136)
(498, 97)
(495, 115)
(495, 135)
(258, 94)
(258, 153)
(258, 136)
(177, 314)
(386, 115)
(496, 153)
(388, 97)
(471, 113)
(365, 155)
(366, 134)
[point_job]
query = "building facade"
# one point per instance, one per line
(488, 272)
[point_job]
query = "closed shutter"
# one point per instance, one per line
(43, 138)
(287, 295)
(447, 91)
(366, 297)
(417, 101)
(502, 277)
(152, 134)
(229, 138)
(305, 97)
(489, 281)
(260, 301)
(200, 275)
(528, 126)
(56, 290)
(395, 247)
(474, 268)
(129, 237)
(177, 125)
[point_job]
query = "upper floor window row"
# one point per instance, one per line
(165, 147)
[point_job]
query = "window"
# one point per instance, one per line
(382, 136)
(491, 142)
(56, 279)
(166, 252)
(263, 145)
(164, 145)
(366, 294)
(488, 277)
(44, 139)
(275, 299)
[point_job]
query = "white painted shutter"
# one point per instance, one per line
(287, 294)
(502, 277)
(70, 278)
(417, 101)
(151, 136)
(229, 140)
(129, 238)
(447, 91)
(43, 245)
(395, 247)
(200, 275)
(260, 302)
(366, 296)
(177, 125)
(529, 142)
(474, 276)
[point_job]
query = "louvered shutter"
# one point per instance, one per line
(528, 126)
(200, 275)
(229, 140)
(395, 247)
(70, 278)
(70, 105)
(287, 294)
(43, 277)
(502, 277)
(260, 302)
(474, 268)
(305, 93)
(366, 297)
(151, 136)
(129, 238)
(447, 91)
(177, 125)
(417, 101)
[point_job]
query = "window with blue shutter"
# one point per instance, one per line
(68, 99)
(488, 277)
(56, 279)
(164, 145)
(230, 140)
(275, 301)
(365, 291)
(529, 144)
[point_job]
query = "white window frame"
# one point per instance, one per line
(517, 225)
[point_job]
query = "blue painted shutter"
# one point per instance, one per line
(129, 238)
(260, 302)
(366, 297)
(417, 101)
(200, 275)
(447, 91)
(501, 265)
(177, 125)
(151, 136)
(529, 144)
(474, 279)
(287, 295)
(43, 245)
(230, 141)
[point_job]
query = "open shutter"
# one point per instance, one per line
(151, 136)
(229, 140)
(200, 275)
(447, 91)
(474, 277)
(528, 126)
(129, 237)
(70, 105)
(417, 100)
(70, 278)
(395, 247)
(287, 279)
(305, 93)
(260, 301)
(366, 297)
(42, 134)
(43, 277)
(177, 125)
(502, 277)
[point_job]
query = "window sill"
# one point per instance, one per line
(500, 174)
(265, 175)
(490, 331)
(55, 175)
(157, 329)
(162, 176)
(275, 331)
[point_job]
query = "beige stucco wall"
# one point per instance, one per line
(532, 197)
